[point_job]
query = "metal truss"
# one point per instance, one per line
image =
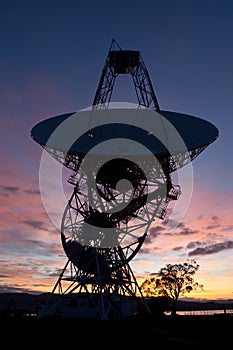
(94, 269)
(118, 62)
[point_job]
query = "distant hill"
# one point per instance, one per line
(204, 305)
(22, 301)
(29, 302)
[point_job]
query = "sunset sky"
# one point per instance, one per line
(52, 54)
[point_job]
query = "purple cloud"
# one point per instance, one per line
(32, 191)
(177, 249)
(9, 190)
(212, 248)
(35, 224)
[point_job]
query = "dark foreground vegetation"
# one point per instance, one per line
(164, 332)
(156, 330)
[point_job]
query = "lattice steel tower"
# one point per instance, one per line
(97, 280)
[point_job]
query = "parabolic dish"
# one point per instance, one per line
(76, 133)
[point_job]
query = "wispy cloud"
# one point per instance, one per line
(32, 191)
(154, 232)
(212, 249)
(177, 249)
(6, 190)
(35, 224)
(187, 231)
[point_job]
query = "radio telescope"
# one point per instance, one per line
(121, 161)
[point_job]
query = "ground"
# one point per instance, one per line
(184, 332)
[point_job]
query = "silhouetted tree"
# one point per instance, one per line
(172, 281)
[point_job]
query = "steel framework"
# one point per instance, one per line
(130, 62)
(104, 274)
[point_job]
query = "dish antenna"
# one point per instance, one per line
(122, 159)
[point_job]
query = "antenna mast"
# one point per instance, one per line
(130, 62)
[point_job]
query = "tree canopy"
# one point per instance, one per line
(172, 281)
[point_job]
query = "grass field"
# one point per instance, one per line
(184, 332)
